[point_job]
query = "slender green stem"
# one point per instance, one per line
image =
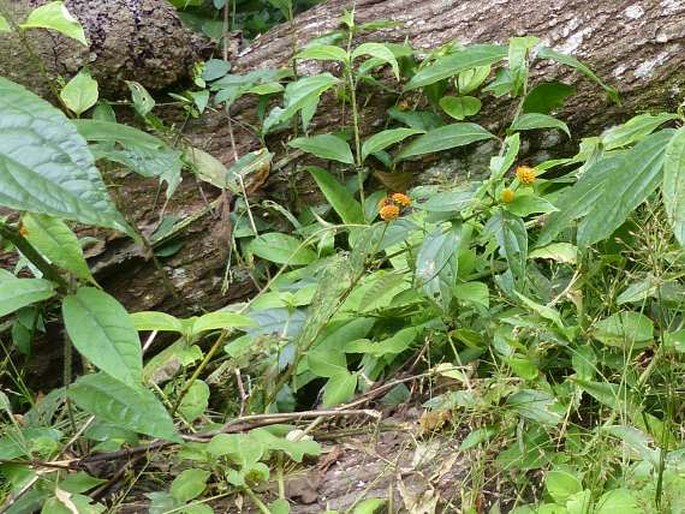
(259, 503)
(49, 271)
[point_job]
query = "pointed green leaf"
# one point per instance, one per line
(220, 320)
(470, 80)
(609, 191)
(16, 293)
(512, 238)
(444, 67)
(618, 501)
(379, 51)
(80, 93)
(325, 146)
(55, 240)
(55, 16)
(101, 330)
(382, 140)
(46, 166)
(534, 120)
(133, 408)
(339, 389)
(436, 264)
(282, 249)
(673, 188)
(539, 406)
(323, 53)
(518, 63)
(297, 95)
(444, 138)
(548, 53)
(139, 151)
(634, 130)
(189, 484)
(343, 203)
(4, 25)
(627, 330)
(154, 320)
(547, 97)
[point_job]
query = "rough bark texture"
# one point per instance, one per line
(141, 40)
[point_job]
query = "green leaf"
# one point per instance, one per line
(343, 203)
(189, 484)
(436, 264)
(561, 484)
(4, 25)
(339, 389)
(525, 204)
(634, 130)
(370, 506)
(139, 151)
(548, 53)
(325, 146)
(55, 240)
(220, 320)
(470, 80)
(474, 292)
(382, 140)
(215, 69)
(16, 293)
(618, 501)
(512, 239)
(326, 362)
(518, 63)
(101, 330)
(547, 97)
(534, 120)
(282, 249)
(444, 138)
(323, 53)
(195, 402)
(614, 396)
(627, 330)
(297, 95)
(500, 164)
(539, 406)
(143, 103)
(542, 310)
(80, 93)
(609, 191)
(46, 166)
(673, 187)
(444, 67)
(448, 201)
(133, 408)
(55, 16)
(379, 51)
(154, 320)
(558, 252)
(460, 107)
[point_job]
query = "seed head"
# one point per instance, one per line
(525, 175)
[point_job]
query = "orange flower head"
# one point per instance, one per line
(400, 199)
(507, 195)
(525, 174)
(389, 212)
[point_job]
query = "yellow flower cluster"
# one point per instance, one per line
(507, 196)
(389, 207)
(525, 175)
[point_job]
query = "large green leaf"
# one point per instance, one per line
(55, 16)
(627, 330)
(143, 153)
(55, 240)
(349, 209)
(536, 405)
(445, 67)
(381, 140)
(282, 249)
(298, 95)
(512, 239)
(325, 146)
(534, 120)
(133, 408)
(518, 62)
(634, 130)
(609, 191)
(102, 331)
(444, 138)
(16, 293)
(46, 166)
(323, 53)
(673, 188)
(436, 264)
